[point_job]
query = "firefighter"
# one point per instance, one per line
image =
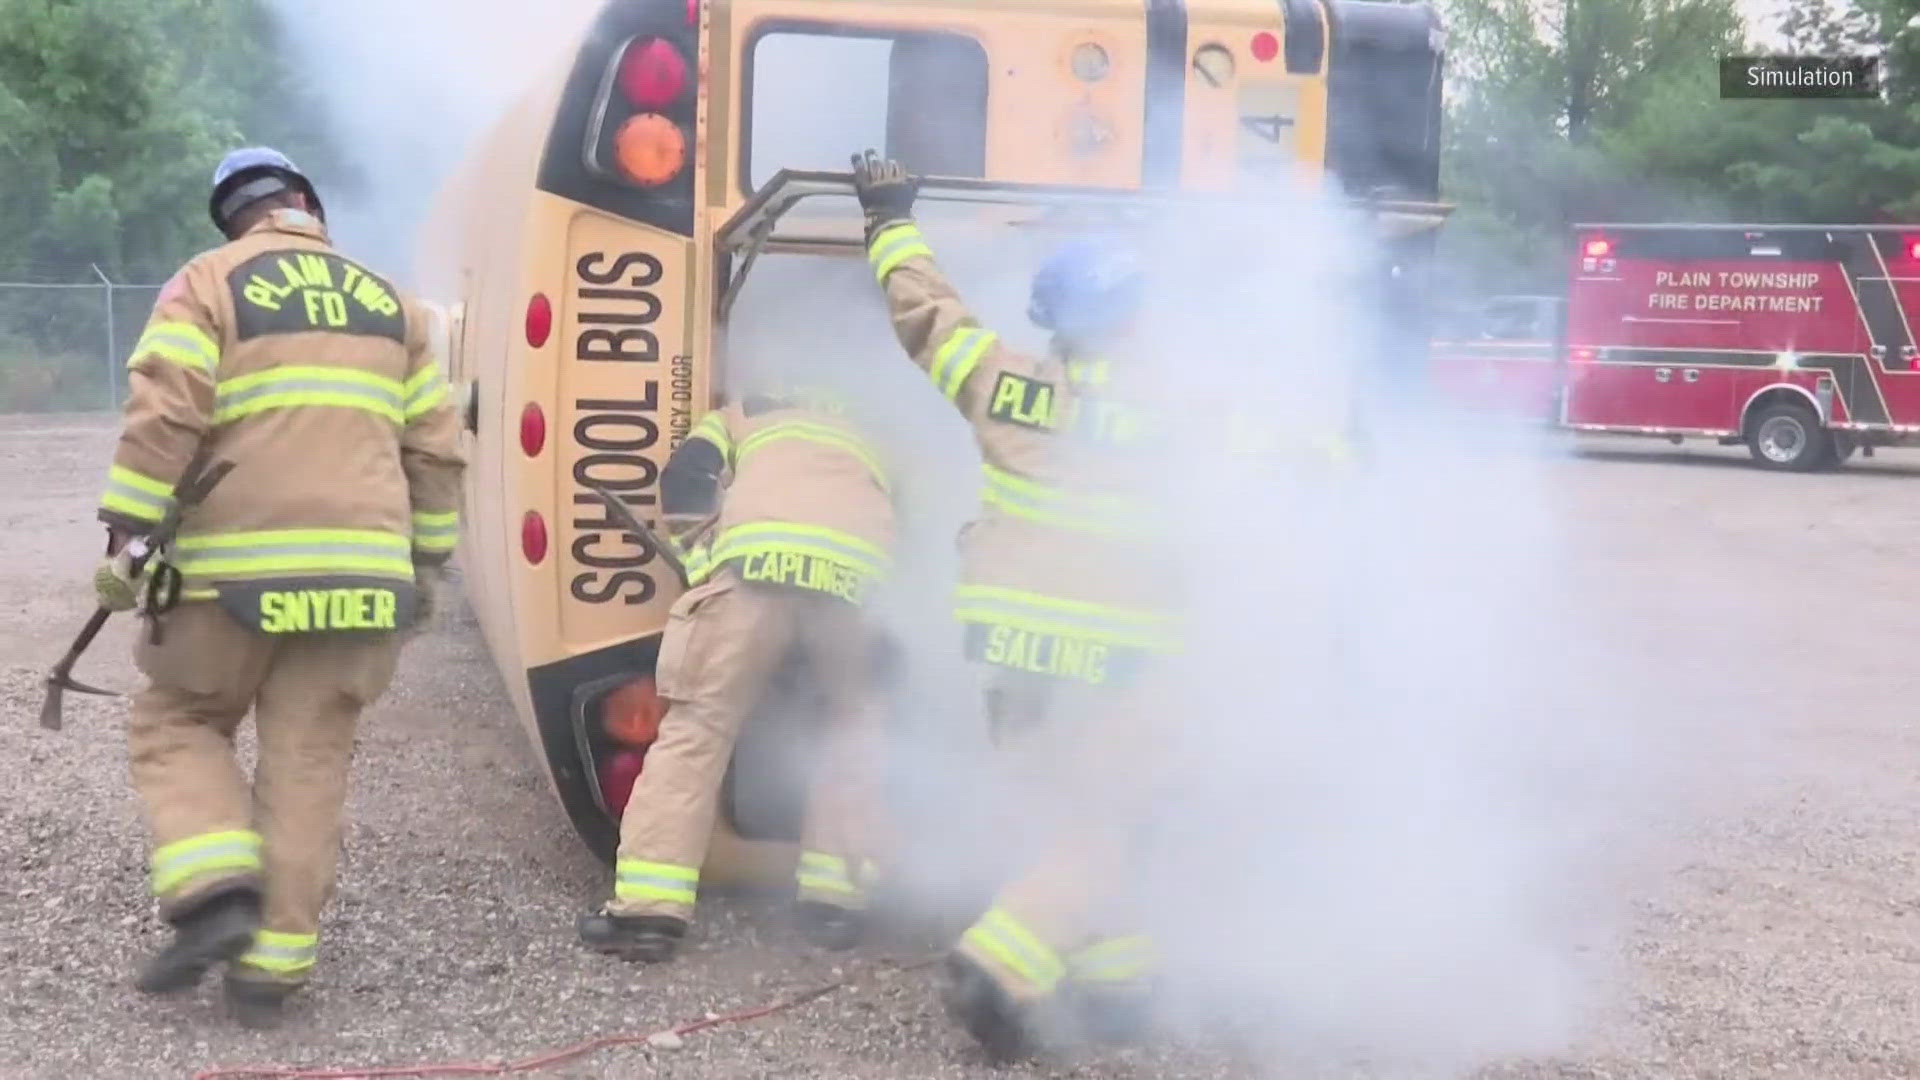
(781, 514)
(1063, 600)
(298, 574)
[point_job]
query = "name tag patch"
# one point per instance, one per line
(298, 607)
(802, 571)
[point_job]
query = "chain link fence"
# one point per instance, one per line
(64, 344)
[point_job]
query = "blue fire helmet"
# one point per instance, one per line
(253, 173)
(1087, 288)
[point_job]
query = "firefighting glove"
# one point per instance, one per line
(886, 191)
(116, 584)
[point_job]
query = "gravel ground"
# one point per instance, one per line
(1785, 943)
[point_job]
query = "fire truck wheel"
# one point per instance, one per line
(1787, 435)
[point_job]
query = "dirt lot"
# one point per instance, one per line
(1786, 943)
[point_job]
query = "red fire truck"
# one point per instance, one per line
(1794, 339)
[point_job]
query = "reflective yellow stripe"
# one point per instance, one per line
(698, 563)
(280, 953)
(822, 872)
(297, 551)
(1002, 937)
(789, 537)
(136, 495)
(1104, 514)
(638, 879)
(1044, 614)
(713, 428)
(426, 389)
(180, 862)
(894, 245)
(818, 433)
(292, 387)
(178, 342)
(1115, 960)
(956, 358)
(436, 531)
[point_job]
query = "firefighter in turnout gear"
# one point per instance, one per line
(781, 513)
(312, 376)
(1055, 606)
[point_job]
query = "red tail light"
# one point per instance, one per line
(631, 714)
(618, 772)
(1598, 247)
(652, 73)
(533, 429)
(539, 320)
(533, 537)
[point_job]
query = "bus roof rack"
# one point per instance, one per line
(766, 221)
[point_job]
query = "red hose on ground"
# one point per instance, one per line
(285, 1072)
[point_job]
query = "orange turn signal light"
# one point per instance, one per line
(651, 149)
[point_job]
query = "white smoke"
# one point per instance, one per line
(408, 87)
(1403, 774)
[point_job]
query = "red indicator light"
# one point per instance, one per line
(631, 714)
(533, 537)
(1913, 249)
(533, 430)
(1265, 46)
(1597, 248)
(1583, 354)
(618, 773)
(652, 73)
(693, 12)
(539, 320)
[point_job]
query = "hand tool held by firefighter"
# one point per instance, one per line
(624, 516)
(162, 589)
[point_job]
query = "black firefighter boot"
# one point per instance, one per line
(1005, 1029)
(651, 938)
(218, 927)
(256, 1003)
(829, 926)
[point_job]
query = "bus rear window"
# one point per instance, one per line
(814, 95)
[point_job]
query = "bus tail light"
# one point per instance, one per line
(617, 774)
(539, 320)
(648, 107)
(652, 73)
(651, 149)
(631, 714)
(533, 537)
(533, 430)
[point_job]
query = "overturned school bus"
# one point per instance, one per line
(592, 250)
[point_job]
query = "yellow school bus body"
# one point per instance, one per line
(585, 308)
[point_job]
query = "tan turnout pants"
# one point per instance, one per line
(210, 829)
(724, 640)
(1086, 759)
